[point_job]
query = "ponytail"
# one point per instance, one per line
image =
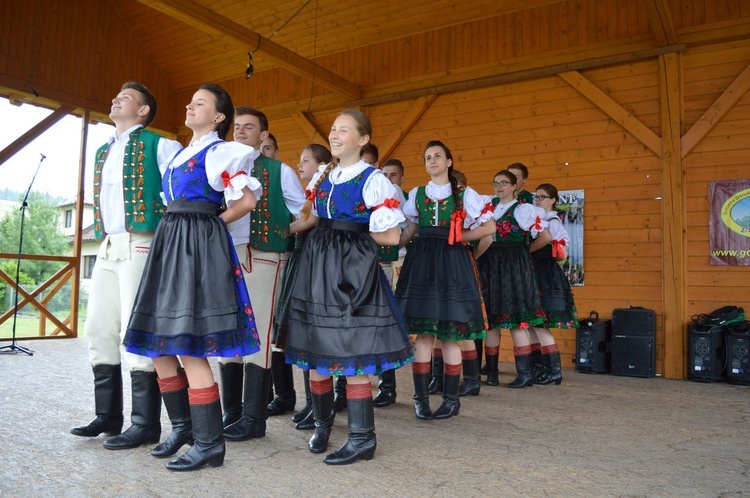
(311, 197)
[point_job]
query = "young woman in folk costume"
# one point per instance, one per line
(192, 301)
(314, 158)
(509, 282)
(438, 288)
(343, 319)
(559, 307)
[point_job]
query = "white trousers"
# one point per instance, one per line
(264, 273)
(114, 284)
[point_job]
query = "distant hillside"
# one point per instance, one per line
(7, 194)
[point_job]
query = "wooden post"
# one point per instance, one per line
(674, 219)
(75, 282)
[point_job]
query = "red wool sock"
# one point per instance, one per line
(420, 367)
(550, 349)
(452, 369)
(358, 391)
(204, 395)
(175, 383)
(520, 351)
(492, 350)
(469, 355)
(437, 353)
(321, 386)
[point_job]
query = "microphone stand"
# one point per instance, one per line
(13, 348)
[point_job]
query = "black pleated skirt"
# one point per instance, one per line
(192, 299)
(510, 287)
(281, 314)
(438, 289)
(343, 319)
(559, 307)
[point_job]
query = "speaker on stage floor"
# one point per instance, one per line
(634, 342)
(738, 353)
(594, 345)
(707, 359)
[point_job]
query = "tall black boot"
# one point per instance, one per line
(421, 398)
(145, 413)
(231, 391)
(209, 447)
(436, 383)
(252, 424)
(553, 371)
(470, 384)
(538, 367)
(283, 384)
(492, 372)
(523, 368)
(362, 442)
(304, 418)
(178, 408)
(451, 401)
(324, 416)
(339, 393)
(387, 394)
(479, 343)
(107, 403)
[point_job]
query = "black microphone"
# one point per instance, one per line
(43, 156)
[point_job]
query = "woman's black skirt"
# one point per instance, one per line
(192, 299)
(510, 287)
(559, 306)
(281, 314)
(438, 289)
(343, 319)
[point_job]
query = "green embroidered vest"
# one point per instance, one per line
(525, 197)
(426, 209)
(269, 221)
(390, 253)
(141, 182)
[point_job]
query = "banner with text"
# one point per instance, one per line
(570, 210)
(729, 222)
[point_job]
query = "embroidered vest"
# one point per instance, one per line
(269, 221)
(344, 201)
(525, 197)
(141, 182)
(390, 253)
(426, 209)
(508, 229)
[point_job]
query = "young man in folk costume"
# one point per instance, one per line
(127, 208)
(263, 243)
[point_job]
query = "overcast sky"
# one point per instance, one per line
(58, 174)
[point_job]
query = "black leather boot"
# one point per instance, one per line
(492, 373)
(523, 368)
(362, 442)
(470, 384)
(209, 447)
(283, 384)
(479, 343)
(231, 375)
(252, 423)
(421, 398)
(436, 383)
(300, 415)
(339, 393)
(178, 408)
(537, 364)
(145, 413)
(553, 368)
(387, 394)
(451, 401)
(324, 414)
(107, 403)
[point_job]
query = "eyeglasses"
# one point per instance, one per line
(501, 183)
(543, 197)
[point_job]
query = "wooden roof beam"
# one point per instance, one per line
(34, 132)
(713, 114)
(208, 21)
(405, 124)
(614, 110)
(660, 19)
(307, 124)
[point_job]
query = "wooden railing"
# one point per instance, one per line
(68, 326)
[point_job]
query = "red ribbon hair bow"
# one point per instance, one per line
(310, 194)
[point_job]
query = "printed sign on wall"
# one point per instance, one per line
(729, 222)
(570, 210)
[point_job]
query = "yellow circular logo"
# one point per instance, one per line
(735, 213)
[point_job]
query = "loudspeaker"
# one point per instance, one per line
(707, 353)
(738, 354)
(594, 346)
(634, 342)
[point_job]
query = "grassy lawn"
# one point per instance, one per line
(29, 327)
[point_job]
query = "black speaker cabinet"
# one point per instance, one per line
(594, 347)
(634, 342)
(707, 357)
(738, 354)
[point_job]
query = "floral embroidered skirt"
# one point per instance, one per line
(343, 319)
(438, 289)
(192, 300)
(559, 307)
(510, 287)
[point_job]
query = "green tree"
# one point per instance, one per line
(40, 236)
